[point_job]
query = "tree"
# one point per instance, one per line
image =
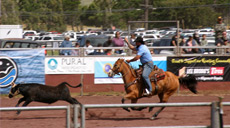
(190, 12)
(44, 14)
(10, 14)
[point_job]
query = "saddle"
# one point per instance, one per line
(156, 74)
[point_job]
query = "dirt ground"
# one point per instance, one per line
(115, 117)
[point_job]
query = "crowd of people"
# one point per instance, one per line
(177, 39)
(194, 40)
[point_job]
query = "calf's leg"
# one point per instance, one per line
(24, 105)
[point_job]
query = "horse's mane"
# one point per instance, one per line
(131, 69)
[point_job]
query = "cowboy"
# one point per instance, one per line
(144, 54)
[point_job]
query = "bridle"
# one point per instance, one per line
(116, 71)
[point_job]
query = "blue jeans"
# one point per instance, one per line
(148, 67)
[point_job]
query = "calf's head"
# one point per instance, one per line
(14, 90)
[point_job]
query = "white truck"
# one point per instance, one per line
(11, 31)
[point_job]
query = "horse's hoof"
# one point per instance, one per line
(150, 109)
(152, 118)
(17, 113)
(127, 109)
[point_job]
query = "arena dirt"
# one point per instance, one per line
(115, 117)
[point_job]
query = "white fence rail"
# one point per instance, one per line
(215, 111)
(67, 108)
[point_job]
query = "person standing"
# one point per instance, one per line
(66, 44)
(118, 42)
(145, 57)
(219, 29)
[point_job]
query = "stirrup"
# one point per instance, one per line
(147, 93)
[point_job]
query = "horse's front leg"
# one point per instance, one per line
(123, 101)
(130, 96)
(133, 101)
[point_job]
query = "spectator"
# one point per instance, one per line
(223, 41)
(118, 42)
(191, 42)
(204, 42)
(224, 38)
(75, 52)
(88, 45)
(174, 40)
(132, 39)
(219, 29)
(108, 43)
(196, 37)
(66, 44)
(181, 41)
(99, 51)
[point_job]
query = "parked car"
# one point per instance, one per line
(51, 38)
(109, 33)
(94, 40)
(29, 33)
(19, 43)
(33, 38)
(164, 41)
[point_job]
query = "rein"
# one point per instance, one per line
(126, 86)
(126, 73)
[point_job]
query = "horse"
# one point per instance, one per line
(164, 88)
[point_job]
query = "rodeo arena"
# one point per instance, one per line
(46, 85)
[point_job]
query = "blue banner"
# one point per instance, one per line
(21, 66)
(103, 65)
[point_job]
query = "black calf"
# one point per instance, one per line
(42, 93)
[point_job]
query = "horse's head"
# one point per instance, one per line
(117, 68)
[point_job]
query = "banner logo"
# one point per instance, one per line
(8, 71)
(52, 64)
(107, 67)
(217, 71)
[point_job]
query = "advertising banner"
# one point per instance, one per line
(69, 65)
(205, 68)
(104, 64)
(21, 66)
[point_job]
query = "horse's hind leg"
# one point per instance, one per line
(163, 99)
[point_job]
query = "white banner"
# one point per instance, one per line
(69, 65)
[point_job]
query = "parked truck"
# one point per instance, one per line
(11, 31)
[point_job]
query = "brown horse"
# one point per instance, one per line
(165, 88)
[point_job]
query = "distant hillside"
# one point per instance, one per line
(86, 2)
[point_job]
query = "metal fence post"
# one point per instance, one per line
(215, 115)
(76, 111)
(221, 112)
(68, 117)
(82, 116)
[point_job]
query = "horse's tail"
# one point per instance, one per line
(79, 85)
(189, 82)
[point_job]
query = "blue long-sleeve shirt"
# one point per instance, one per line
(66, 44)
